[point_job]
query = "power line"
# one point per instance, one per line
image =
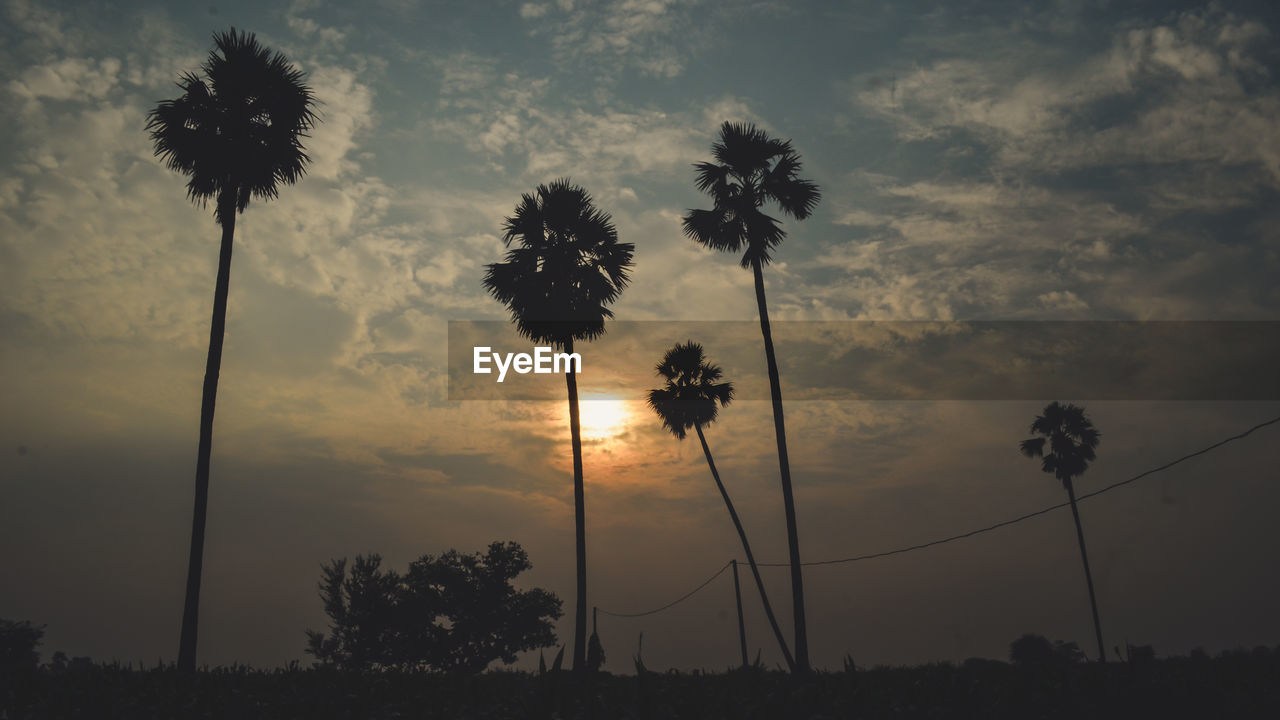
(1037, 513)
(675, 602)
(1166, 466)
(971, 533)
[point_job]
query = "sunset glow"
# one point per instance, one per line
(603, 416)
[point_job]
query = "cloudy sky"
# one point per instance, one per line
(1086, 161)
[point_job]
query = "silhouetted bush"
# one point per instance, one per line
(1037, 650)
(1140, 654)
(60, 663)
(454, 613)
(1068, 652)
(18, 643)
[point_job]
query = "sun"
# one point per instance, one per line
(603, 416)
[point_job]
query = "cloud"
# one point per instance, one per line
(67, 79)
(531, 11)
(102, 246)
(511, 120)
(1063, 300)
(346, 110)
(331, 38)
(1183, 93)
(629, 29)
(1065, 182)
(656, 38)
(43, 29)
(464, 79)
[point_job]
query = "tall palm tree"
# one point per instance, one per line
(689, 400)
(237, 132)
(1072, 439)
(751, 169)
(565, 268)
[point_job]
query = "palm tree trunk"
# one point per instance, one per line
(195, 563)
(746, 548)
(1088, 576)
(788, 502)
(580, 522)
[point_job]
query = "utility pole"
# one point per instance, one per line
(742, 627)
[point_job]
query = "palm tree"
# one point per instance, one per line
(689, 400)
(237, 132)
(1072, 439)
(751, 169)
(566, 266)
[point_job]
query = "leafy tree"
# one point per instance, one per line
(1037, 650)
(750, 169)
(18, 643)
(565, 268)
(237, 132)
(1072, 439)
(1068, 652)
(1031, 650)
(692, 398)
(362, 610)
(1146, 654)
(455, 612)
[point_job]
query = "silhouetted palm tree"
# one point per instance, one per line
(751, 169)
(689, 400)
(1072, 439)
(566, 266)
(237, 132)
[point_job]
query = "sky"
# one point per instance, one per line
(1073, 161)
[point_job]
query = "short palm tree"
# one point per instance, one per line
(1072, 440)
(692, 398)
(565, 268)
(752, 169)
(237, 132)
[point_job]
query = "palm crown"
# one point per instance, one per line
(238, 130)
(1071, 437)
(691, 394)
(565, 267)
(750, 169)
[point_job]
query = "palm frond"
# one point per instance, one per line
(750, 168)
(718, 229)
(1071, 438)
(238, 130)
(765, 234)
(712, 178)
(745, 149)
(563, 266)
(796, 197)
(670, 412)
(691, 397)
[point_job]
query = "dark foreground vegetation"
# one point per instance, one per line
(1232, 685)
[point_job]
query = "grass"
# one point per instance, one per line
(1233, 685)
